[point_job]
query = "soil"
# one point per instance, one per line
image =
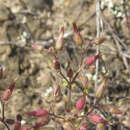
(25, 22)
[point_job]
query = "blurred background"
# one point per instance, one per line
(26, 22)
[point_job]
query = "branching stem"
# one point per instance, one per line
(3, 115)
(98, 35)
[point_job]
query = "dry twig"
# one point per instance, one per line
(98, 20)
(121, 46)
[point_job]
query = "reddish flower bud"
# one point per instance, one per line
(70, 73)
(77, 36)
(80, 103)
(56, 64)
(25, 127)
(90, 60)
(95, 118)
(8, 92)
(38, 113)
(60, 40)
(17, 125)
(41, 123)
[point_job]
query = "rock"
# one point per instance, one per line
(4, 13)
(4, 52)
(126, 122)
(3, 36)
(43, 78)
(38, 4)
(33, 69)
(60, 108)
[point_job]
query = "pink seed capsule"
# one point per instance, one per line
(90, 60)
(60, 41)
(8, 92)
(77, 36)
(17, 125)
(95, 118)
(25, 127)
(41, 123)
(80, 103)
(38, 113)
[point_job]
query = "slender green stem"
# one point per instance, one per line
(52, 114)
(3, 115)
(2, 110)
(77, 73)
(69, 96)
(6, 125)
(63, 76)
(69, 89)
